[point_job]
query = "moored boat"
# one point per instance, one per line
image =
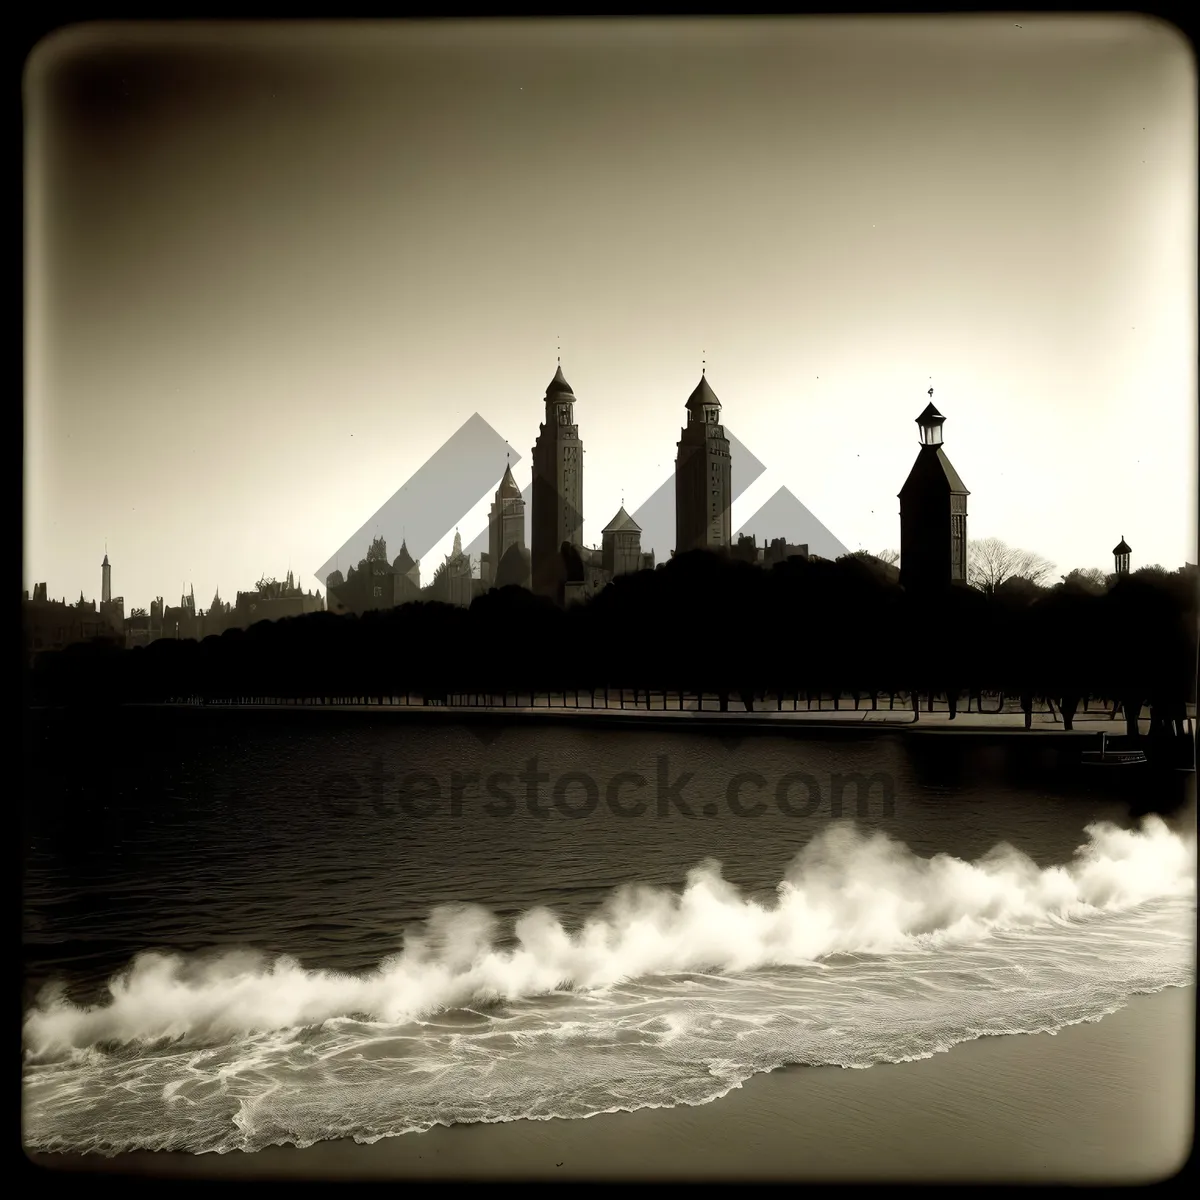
(1104, 757)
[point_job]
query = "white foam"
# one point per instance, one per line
(869, 954)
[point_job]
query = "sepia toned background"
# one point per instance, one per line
(270, 270)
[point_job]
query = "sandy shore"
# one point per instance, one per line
(1110, 1102)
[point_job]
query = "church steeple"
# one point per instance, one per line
(933, 514)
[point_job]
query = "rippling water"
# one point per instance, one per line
(239, 932)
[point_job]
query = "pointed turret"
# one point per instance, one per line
(559, 386)
(622, 523)
(404, 560)
(508, 486)
(703, 396)
(621, 545)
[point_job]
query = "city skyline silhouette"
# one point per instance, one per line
(269, 275)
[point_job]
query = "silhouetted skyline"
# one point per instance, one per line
(272, 271)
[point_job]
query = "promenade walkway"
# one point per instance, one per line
(1088, 724)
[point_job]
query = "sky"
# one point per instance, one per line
(272, 269)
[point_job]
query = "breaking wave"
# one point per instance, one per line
(868, 954)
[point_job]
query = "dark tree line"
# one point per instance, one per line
(699, 625)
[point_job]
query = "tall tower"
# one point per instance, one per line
(557, 501)
(1121, 553)
(933, 514)
(702, 476)
(506, 522)
(105, 580)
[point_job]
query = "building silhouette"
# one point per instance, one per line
(702, 476)
(933, 514)
(506, 532)
(621, 547)
(587, 569)
(375, 583)
(271, 600)
(556, 503)
(777, 550)
(1121, 553)
(460, 584)
(183, 621)
(407, 571)
(112, 608)
(54, 624)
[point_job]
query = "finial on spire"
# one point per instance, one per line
(558, 351)
(703, 361)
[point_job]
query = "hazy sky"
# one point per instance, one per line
(271, 271)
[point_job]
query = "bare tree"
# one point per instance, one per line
(884, 562)
(1090, 579)
(990, 562)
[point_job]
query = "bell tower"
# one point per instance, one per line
(1121, 553)
(933, 513)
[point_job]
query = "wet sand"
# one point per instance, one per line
(1109, 1102)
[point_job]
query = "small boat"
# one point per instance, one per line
(1104, 757)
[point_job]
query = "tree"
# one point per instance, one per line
(891, 557)
(990, 562)
(880, 564)
(1087, 579)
